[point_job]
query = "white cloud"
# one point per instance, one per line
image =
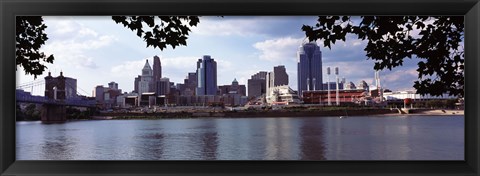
(400, 74)
(350, 50)
(281, 49)
(81, 61)
(71, 43)
(182, 63)
(226, 71)
(399, 79)
(353, 70)
(177, 68)
(227, 27)
(62, 26)
(87, 32)
(128, 69)
(356, 42)
(75, 46)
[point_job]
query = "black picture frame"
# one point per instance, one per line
(11, 8)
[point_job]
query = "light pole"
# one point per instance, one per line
(308, 84)
(328, 86)
(313, 83)
(336, 76)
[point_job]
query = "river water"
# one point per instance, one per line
(289, 138)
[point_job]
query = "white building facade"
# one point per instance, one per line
(145, 83)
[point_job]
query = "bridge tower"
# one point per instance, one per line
(54, 112)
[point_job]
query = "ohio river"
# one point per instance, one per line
(289, 138)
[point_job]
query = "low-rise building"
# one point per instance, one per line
(345, 96)
(127, 100)
(282, 95)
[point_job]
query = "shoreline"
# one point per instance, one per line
(246, 114)
(438, 112)
(272, 114)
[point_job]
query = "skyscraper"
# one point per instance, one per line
(206, 76)
(136, 82)
(157, 75)
(163, 85)
(309, 67)
(256, 85)
(281, 76)
(113, 85)
(260, 75)
(146, 84)
(189, 85)
(157, 68)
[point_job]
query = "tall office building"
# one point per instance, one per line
(113, 85)
(280, 76)
(189, 85)
(145, 83)
(206, 76)
(157, 68)
(157, 75)
(309, 67)
(99, 94)
(163, 86)
(260, 75)
(256, 84)
(137, 80)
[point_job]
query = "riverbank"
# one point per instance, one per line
(271, 113)
(243, 114)
(274, 113)
(438, 112)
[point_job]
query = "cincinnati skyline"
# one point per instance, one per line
(96, 51)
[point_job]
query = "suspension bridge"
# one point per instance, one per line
(59, 92)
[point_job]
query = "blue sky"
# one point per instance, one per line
(96, 51)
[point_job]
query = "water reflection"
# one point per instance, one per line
(297, 138)
(312, 143)
(281, 138)
(236, 136)
(210, 144)
(149, 145)
(57, 142)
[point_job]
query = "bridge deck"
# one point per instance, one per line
(44, 100)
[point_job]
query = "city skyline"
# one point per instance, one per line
(96, 47)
